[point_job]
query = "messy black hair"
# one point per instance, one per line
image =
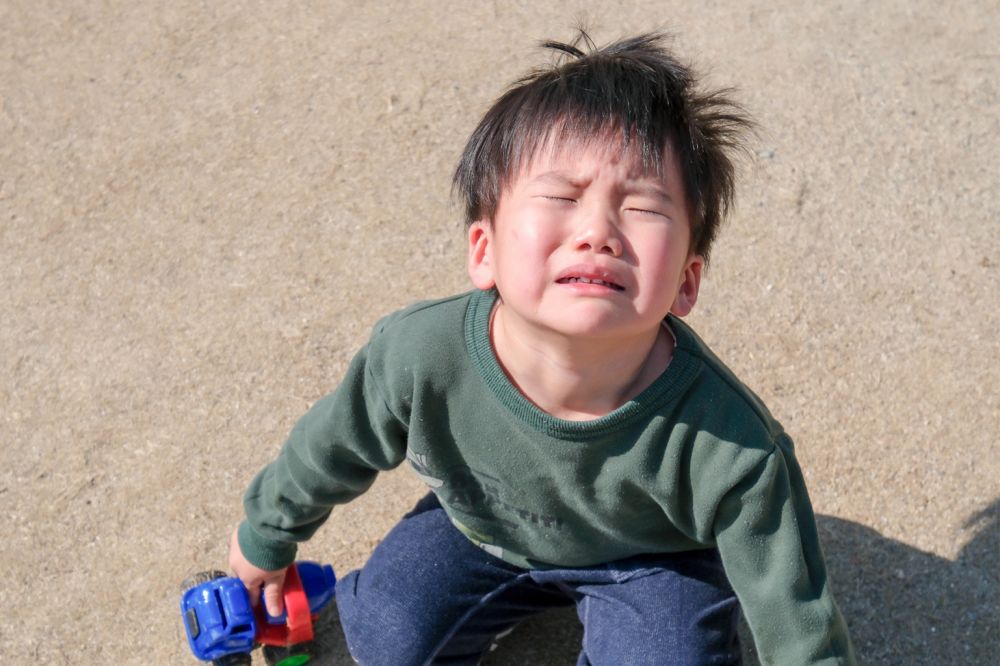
(635, 89)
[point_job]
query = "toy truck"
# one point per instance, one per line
(222, 626)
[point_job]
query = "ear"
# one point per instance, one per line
(481, 254)
(687, 292)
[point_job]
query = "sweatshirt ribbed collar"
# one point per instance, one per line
(683, 367)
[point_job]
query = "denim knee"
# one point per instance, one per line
(383, 630)
(417, 589)
(681, 611)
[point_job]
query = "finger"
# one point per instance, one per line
(242, 569)
(235, 554)
(272, 596)
(253, 588)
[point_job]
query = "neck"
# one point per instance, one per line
(577, 379)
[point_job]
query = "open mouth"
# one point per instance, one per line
(583, 280)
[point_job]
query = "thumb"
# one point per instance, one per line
(273, 595)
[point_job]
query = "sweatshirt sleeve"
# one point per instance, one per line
(767, 537)
(331, 456)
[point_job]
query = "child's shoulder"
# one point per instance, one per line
(425, 334)
(718, 394)
(424, 317)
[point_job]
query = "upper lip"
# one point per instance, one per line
(591, 273)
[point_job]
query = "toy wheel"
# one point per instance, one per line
(293, 655)
(238, 659)
(199, 578)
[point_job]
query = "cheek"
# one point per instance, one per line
(522, 273)
(523, 277)
(528, 244)
(653, 250)
(661, 260)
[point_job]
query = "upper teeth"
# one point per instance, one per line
(589, 281)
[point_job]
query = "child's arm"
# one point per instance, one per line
(766, 533)
(336, 450)
(332, 455)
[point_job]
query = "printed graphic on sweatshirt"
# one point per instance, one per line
(418, 462)
(471, 489)
(477, 494)
(484, 541)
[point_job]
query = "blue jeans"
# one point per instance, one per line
(428, 596)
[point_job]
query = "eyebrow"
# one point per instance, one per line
(649, 190)
(558, 178)
(632, 186)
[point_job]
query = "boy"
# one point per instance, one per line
(582, 444)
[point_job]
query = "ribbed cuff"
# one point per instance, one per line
(265, 553)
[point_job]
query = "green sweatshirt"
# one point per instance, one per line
(695, 461)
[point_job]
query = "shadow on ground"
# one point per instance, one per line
(903, 606)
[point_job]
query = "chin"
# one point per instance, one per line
(597, 327)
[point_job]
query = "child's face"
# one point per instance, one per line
(587, 244)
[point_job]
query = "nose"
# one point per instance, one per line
(598, 232)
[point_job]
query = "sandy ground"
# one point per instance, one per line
(206, 205)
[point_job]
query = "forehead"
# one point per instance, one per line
(562, 156)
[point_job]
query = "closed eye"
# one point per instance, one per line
(643, 211)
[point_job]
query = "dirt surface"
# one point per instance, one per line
(206, 205)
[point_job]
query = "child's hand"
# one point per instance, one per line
(253, 577)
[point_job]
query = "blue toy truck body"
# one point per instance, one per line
(220, 621)
(218, 618)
